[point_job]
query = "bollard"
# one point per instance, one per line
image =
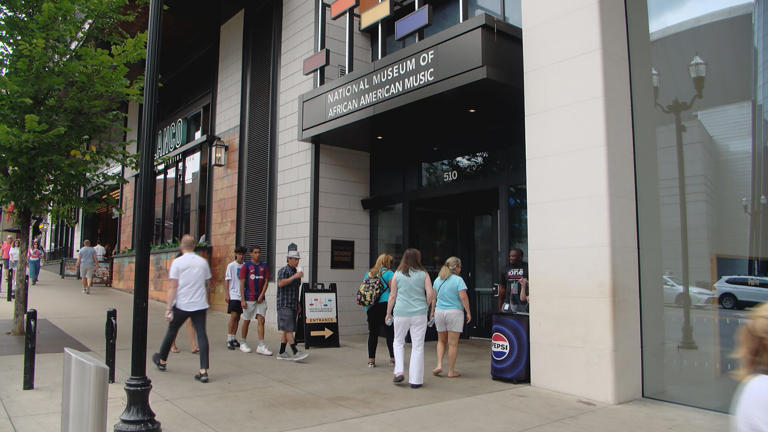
(332, 287)
(9, 291)
(30, 345)
(110, 332)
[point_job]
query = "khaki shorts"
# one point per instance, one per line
(449, 320)
(87, 271)
(254, 309)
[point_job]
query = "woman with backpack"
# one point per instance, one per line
(377, 312)
(410, 291)
(452, 302)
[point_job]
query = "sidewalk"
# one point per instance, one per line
(333, 390)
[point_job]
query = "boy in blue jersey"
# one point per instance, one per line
(254, 279)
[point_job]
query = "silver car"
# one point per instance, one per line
(741, 291)
(673, 293)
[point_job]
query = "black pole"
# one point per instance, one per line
(138, 416)
(110, 332)
(30, 345)
(9, 290)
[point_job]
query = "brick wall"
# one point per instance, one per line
(123, 272)
(126, 221)
(224, 218)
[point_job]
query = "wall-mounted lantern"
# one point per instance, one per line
(219, 152)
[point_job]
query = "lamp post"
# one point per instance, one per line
(697, 70)
(138, 416)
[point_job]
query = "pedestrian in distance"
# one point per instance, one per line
(35, 257)
(5, 250)
(410, 294)
(187, 298)
(288, 284)
(13, 259)
(233, 296)
(377, 313)
(750, 403)
(451, 305)
(87, 262)
(254, 280)
(101, 251)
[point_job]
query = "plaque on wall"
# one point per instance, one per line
(342, 254)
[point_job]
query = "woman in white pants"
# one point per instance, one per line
(410, 293)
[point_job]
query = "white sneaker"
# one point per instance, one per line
(284, 356)
(263, 350)
(244, 347)
(300, 355)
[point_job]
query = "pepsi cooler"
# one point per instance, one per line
(510, 348)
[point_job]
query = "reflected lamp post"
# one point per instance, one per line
(697, 70)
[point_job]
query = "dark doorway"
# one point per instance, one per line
(466, 226)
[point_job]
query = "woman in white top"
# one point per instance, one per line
(13, 255)
(750, 404)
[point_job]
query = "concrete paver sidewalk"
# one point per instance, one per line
(333, 390)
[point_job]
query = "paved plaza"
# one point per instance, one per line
(333, 390)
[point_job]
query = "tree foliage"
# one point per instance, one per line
(64, 86)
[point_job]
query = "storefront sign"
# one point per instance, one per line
(321, 307)
(411, 73)
(318, 324)
(171, 138)
(342, 254)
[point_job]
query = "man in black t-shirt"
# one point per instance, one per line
(515, 274)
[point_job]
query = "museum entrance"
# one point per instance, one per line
(466, 226)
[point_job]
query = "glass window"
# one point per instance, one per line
(700, 117)
(390, 231)
(512, 12)
(181, 197)
(479, 7)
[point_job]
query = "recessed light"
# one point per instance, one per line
(471, 110)
(379, 137)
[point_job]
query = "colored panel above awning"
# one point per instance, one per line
(375, 14)
(339, 7)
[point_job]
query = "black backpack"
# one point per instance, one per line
(370, 291)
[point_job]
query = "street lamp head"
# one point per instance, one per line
(656, 81)
(697, 69)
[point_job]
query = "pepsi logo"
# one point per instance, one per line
(499, 346)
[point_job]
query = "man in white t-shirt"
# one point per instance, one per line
(101, 252)
(187, 298)
(233, 298)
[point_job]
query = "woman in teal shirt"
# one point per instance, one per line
(378, 312)
(452, 302)
(410, 293)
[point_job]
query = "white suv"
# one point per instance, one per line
(741, 291)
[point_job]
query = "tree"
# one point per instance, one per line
(65, 80)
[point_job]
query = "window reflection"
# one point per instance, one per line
(700, 148)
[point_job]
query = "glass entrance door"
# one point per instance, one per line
(464, 226)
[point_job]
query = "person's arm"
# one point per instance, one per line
(227, 278)
(392, 297)
(170, 298)
(287, 281)
(77, 263)
(524, 289)
(431, 296)
(96, 258)
(264, 291)
(465, 303)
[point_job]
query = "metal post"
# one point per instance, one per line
(9, 290)
(349, 49)
(30, 345)
(419, 34)
(320, 8)
(687, 341)
(110, 332)
(463, 10)
(138, 415)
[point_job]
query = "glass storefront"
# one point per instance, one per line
(699, 96)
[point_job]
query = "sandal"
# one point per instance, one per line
(195, 350)
(371, 364)
(175, 349)
(437, 371)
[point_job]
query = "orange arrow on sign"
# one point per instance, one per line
(325, 332)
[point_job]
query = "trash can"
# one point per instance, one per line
(510, 348)
(84, 393)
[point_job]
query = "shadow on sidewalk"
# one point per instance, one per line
(50, 339)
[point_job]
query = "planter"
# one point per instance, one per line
(124, 266)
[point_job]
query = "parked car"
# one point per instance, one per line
(741, 291)
(673, 293)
